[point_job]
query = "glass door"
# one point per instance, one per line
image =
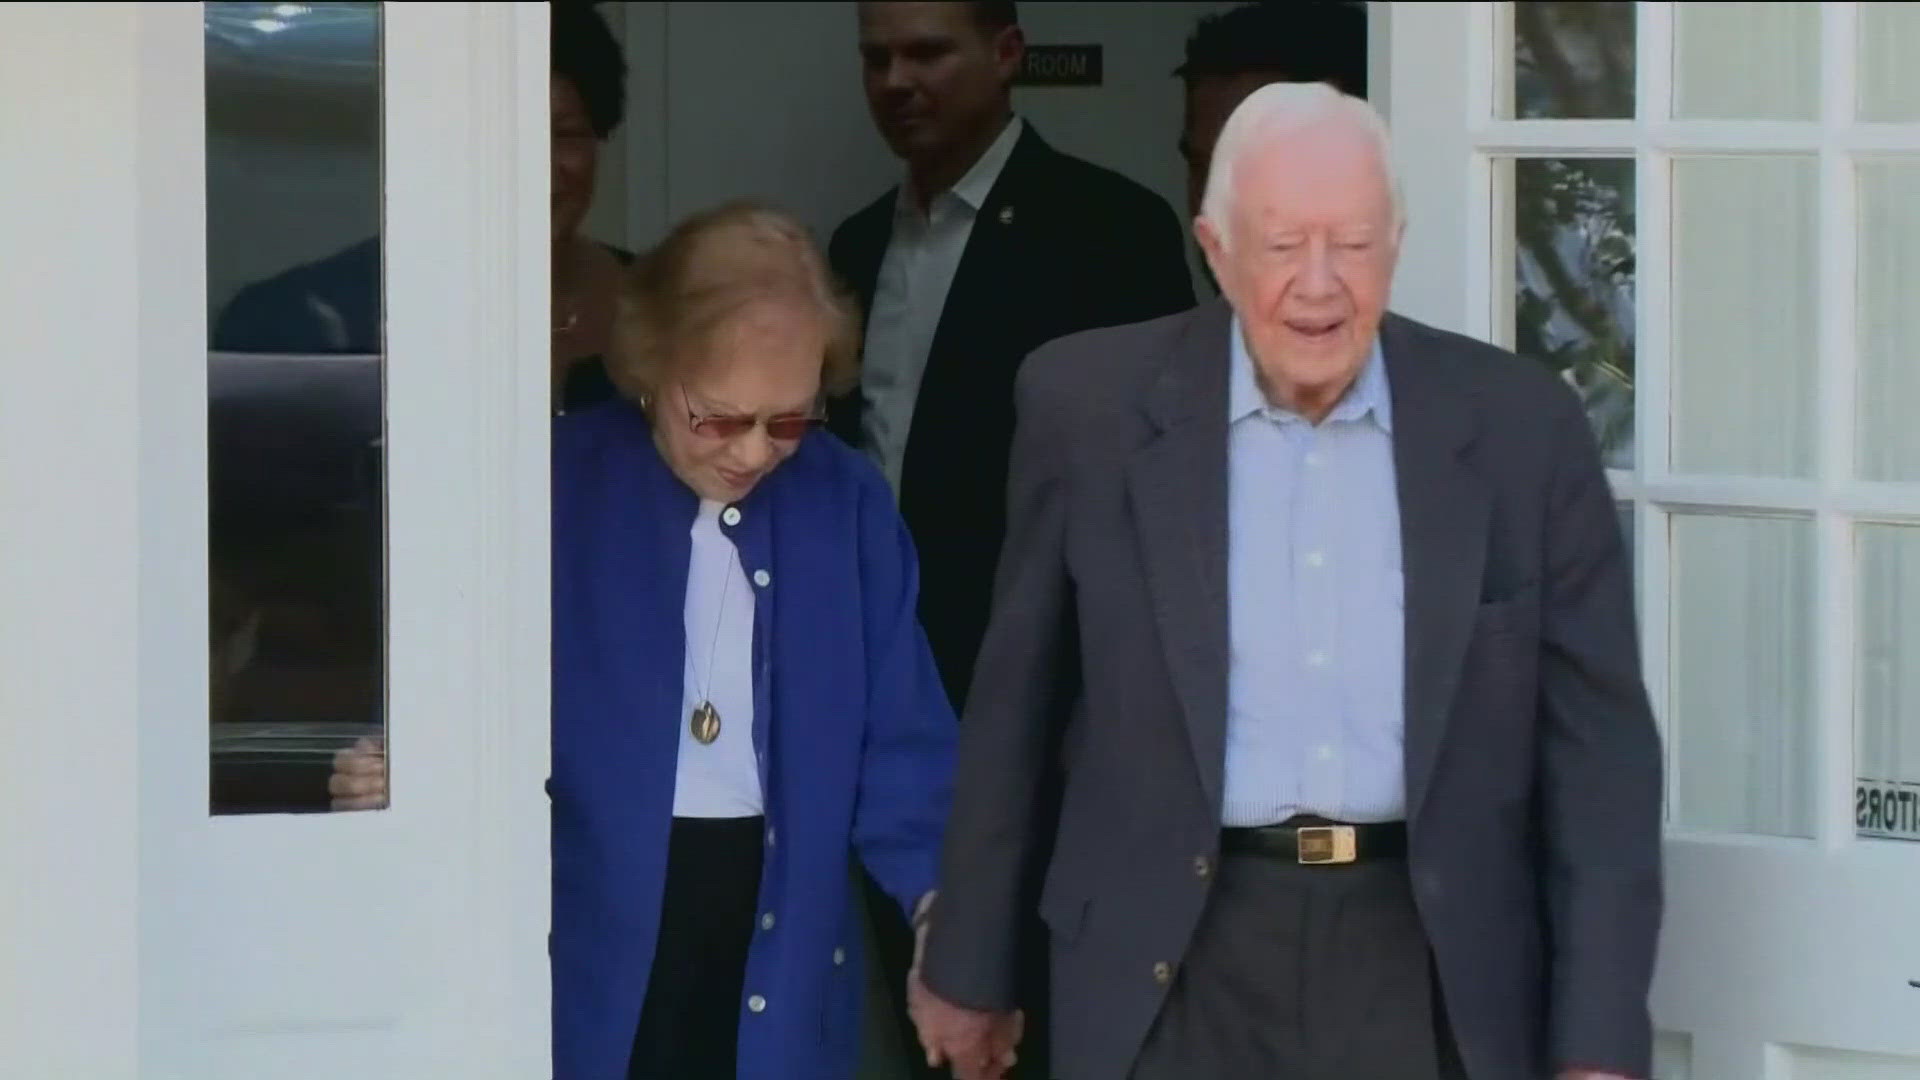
(1706, 218)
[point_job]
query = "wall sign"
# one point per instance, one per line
(1061, 65)
(1889, 809)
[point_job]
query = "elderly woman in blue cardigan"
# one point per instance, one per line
(741, 692)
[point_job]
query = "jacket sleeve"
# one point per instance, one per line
(1022, 681)
(906, 767)
(1600, 776)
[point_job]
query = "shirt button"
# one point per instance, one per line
(1317, 658)
(766, 921)
(762, 578)
(1202, 866)
(839, 957)
(1326, 753)
(1315, 558)
(1316, 459)
(1163, 973)
(757, 1004)
(730, 516)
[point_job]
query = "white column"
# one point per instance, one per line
(70, 319)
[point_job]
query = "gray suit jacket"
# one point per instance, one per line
(1533, 764)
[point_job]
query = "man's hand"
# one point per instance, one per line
(359, 780)
(975, 1045)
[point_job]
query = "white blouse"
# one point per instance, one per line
(720, 779)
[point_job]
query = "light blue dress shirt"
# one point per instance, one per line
(1316, 625)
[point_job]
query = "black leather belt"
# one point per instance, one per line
(1319, 844)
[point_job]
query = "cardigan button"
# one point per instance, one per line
(762, 578)
(766, 921)
(730, 516)
(1163, 973)
(839, 957)
(757, 1004)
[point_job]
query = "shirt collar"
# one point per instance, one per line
(1367, 397)
(973, 188)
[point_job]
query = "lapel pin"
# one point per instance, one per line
(1006, 215)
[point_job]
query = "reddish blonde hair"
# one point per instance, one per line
(704, 272)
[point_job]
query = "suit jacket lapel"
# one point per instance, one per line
(1444, 515)
(1177, 484)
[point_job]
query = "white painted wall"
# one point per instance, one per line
(734, 99)
(70, 196)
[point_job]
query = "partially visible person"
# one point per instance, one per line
(993, 243)
(333, 305)
(587, 100)
(1332, 614)
(741, 691)
(1235, 52)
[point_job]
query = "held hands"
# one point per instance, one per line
(974, 1045)
(359, 780)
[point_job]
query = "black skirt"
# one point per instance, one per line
(690, 1025)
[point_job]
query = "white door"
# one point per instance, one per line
(1708, 215)
(312, 537)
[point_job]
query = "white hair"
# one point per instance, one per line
(1283, 107)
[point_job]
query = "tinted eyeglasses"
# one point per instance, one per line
(783, 428)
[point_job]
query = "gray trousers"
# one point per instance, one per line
(1304, 973)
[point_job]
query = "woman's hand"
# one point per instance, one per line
(359, 780)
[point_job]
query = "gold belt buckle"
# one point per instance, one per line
(1326, 845)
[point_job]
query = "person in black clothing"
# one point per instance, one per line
(333, 305)
(1235, 52)
(993, 244)
(588, 97)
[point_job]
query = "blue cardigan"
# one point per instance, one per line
(853, 732)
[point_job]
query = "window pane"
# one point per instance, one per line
(1745, 360)
(1889, 440)
(1741, 717)
(1719, 47)
(1572, 61)
(1573, 281)
(295, 408)
(1889, 79)
(1887, 798)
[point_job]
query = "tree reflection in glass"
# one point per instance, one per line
(1573, 304)
(1573, 61)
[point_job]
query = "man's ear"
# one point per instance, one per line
(1009, 52)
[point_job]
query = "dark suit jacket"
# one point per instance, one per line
(1060, 246)
(1532, 760)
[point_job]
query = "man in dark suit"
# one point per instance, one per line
(994, 243)
(1333, 612)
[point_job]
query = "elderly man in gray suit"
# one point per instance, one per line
(1326, 616)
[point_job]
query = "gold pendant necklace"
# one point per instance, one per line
(704, 723)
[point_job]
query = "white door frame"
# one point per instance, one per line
(118, 879)
(1771, 957)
